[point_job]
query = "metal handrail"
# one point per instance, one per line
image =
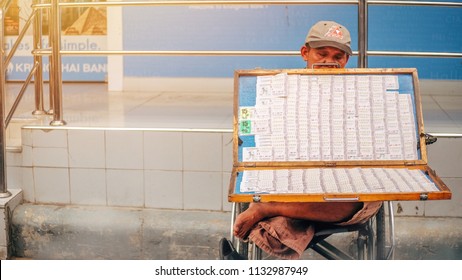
(231, 2)
(244, 53)
(21, 93)
(415, 3)
(55, 64)
(195, 3)
(3, 188)
(38, 77)
(37, 65)
(174, 53)
(415, 54)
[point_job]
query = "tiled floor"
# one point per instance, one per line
(92, 105)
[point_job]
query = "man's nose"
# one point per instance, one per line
(328, 62)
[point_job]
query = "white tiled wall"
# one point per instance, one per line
(52, 185)
(88, 186)
(132, 168)
(202, 151)
(163, 150)
(199, 192)
(124, 149)
(163, 189)
(87, 148)
(125, 187)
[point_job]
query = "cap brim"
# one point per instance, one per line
(324, 43)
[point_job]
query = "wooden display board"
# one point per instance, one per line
(330, 135)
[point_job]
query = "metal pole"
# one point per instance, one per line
(201, 2)
(417, 3)
(50, 61)
(55, 43)
(362, 34)
(3, 187)
(38, 76)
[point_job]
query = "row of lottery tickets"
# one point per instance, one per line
(329, 117)
(336, 180)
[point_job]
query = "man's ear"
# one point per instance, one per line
(304, 52)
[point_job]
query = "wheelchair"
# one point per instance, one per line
(375, 239)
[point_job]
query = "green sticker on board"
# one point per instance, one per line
(245, 127)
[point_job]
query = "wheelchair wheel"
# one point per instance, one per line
(379, 242)
(371, 242)
(381, 232)
(242, 247)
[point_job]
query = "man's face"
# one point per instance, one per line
(324, 55)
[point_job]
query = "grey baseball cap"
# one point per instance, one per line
(329, 34)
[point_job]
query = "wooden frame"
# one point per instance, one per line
(420, 163)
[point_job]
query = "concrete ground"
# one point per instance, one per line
(67, 232)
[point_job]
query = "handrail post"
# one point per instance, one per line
(38, 76)
(50, 66)
(3, 185)
(55, 64)
(362, 33)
